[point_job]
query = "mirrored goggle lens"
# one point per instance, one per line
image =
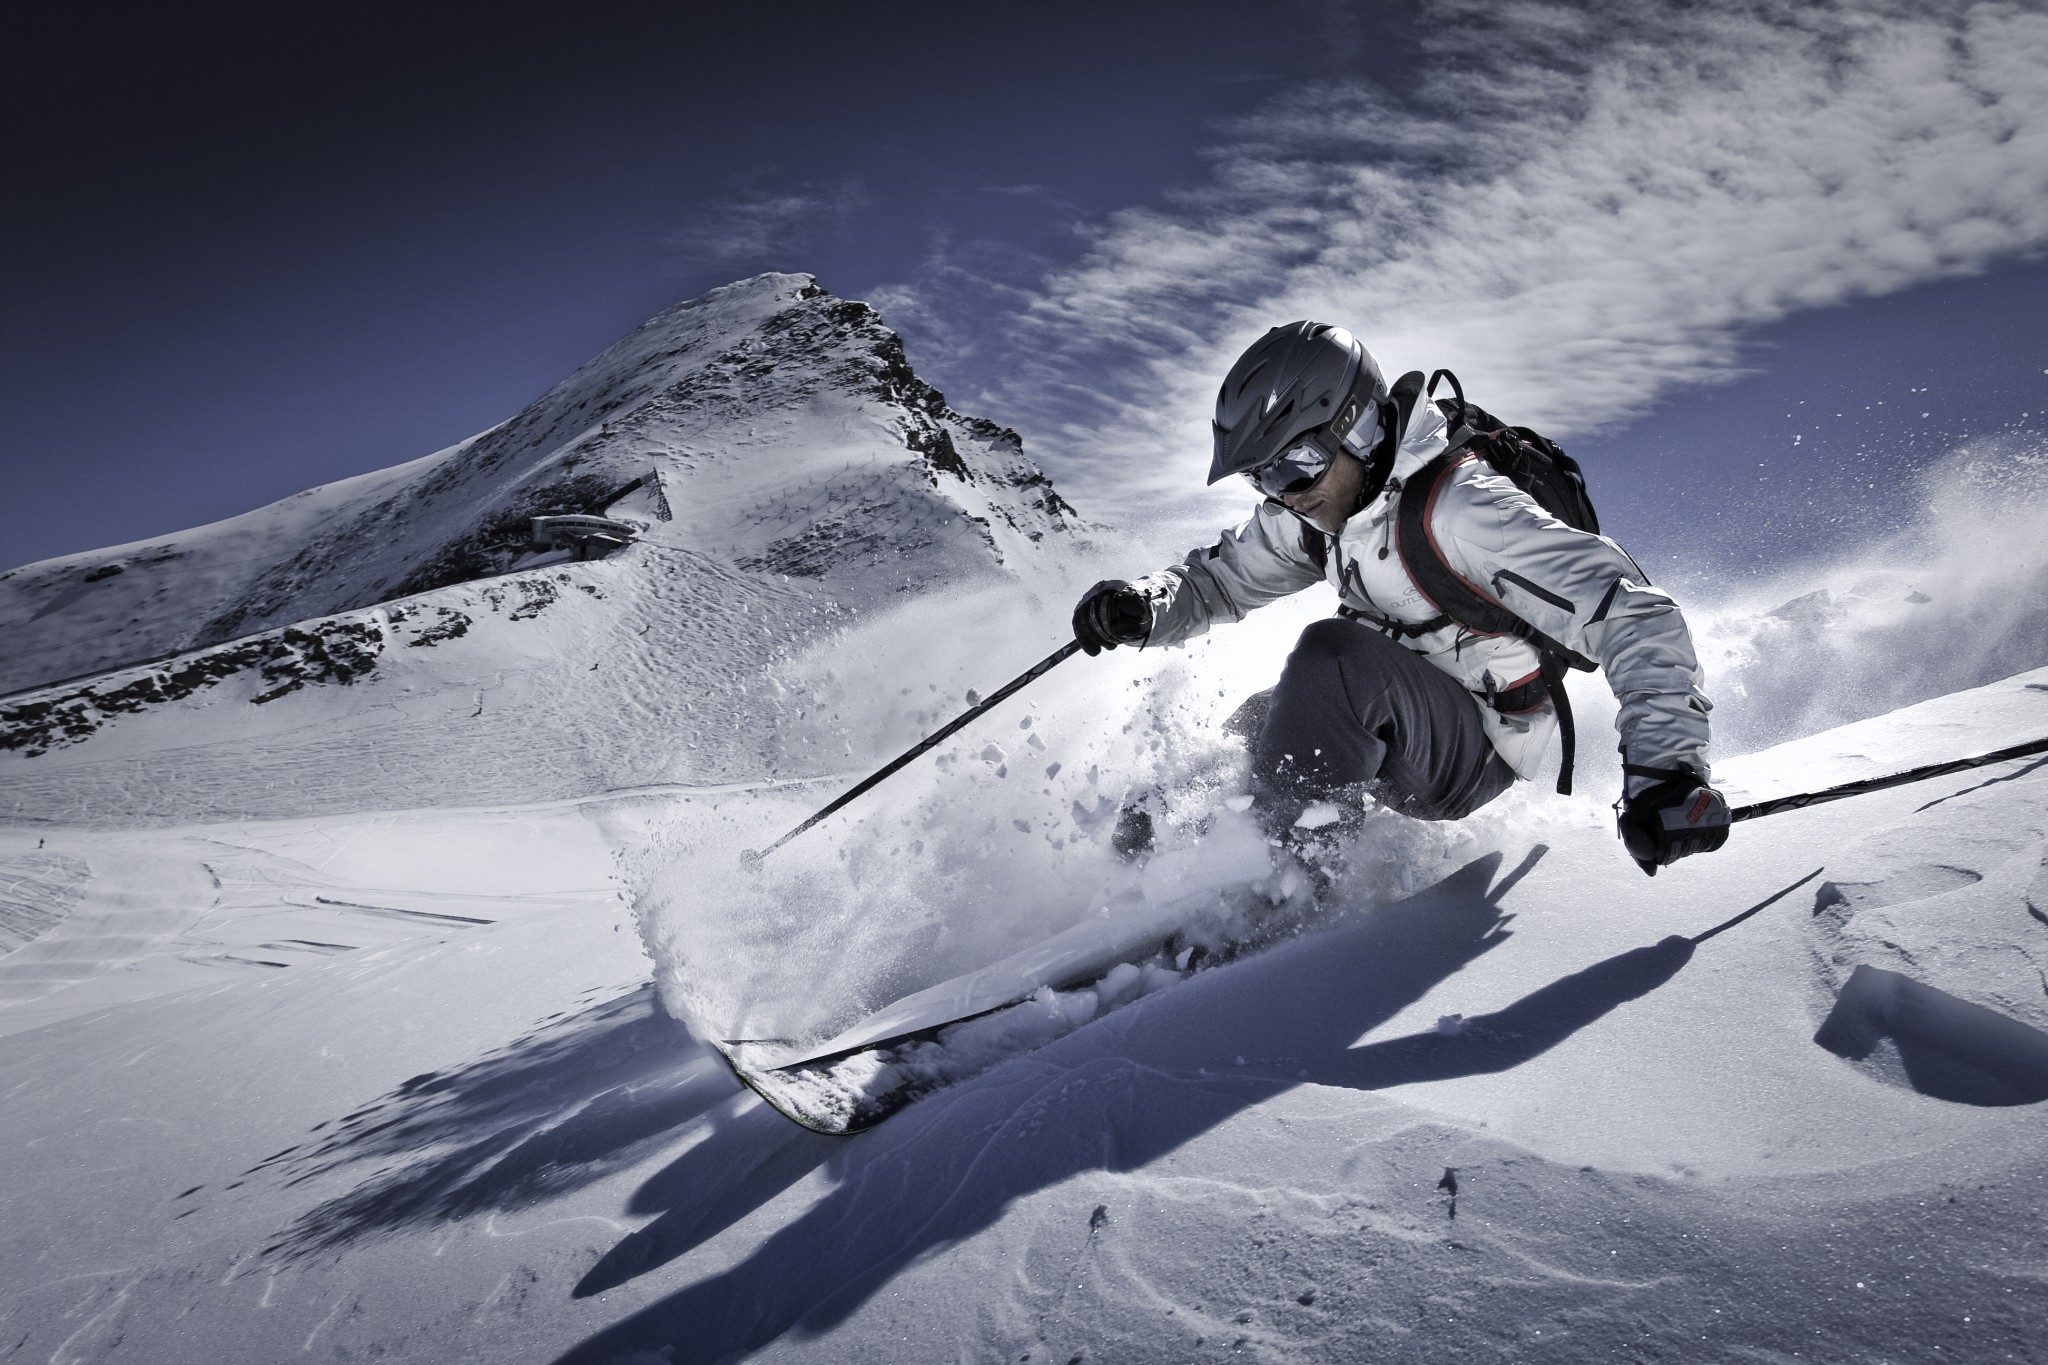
(1298, 466)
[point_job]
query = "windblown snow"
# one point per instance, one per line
(371, 885)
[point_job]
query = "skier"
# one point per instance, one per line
(1434, 702)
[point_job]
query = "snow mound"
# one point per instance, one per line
(1923, 1039)
(1956, 894)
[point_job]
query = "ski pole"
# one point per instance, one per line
(1008, 689)
(1878, 784)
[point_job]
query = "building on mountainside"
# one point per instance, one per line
(586, 537)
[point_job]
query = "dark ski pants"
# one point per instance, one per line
(1353, 709)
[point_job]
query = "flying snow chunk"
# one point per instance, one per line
(1318, 815)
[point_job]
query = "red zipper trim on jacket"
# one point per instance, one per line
(1429, 534)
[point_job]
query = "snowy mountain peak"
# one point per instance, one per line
(781, 427)
(779, 471)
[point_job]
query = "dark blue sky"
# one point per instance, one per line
(247, 258)
(1875, 392)
(250, 253)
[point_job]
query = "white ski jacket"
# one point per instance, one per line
(1580, 589)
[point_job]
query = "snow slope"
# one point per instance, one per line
(1542, 1109)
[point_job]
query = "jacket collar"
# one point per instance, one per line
(1425, 439)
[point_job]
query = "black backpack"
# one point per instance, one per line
(1537, 465)
(1540, 468)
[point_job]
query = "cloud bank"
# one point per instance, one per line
(1577, 207)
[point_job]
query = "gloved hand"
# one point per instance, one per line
(1675, 817)
(1109, 614)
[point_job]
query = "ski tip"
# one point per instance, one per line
(812, 1101)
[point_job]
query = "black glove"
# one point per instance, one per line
(1678, 816)
(1110, 614)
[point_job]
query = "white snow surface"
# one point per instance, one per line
(476, 1136)
(368, 1021)
(452, 1122)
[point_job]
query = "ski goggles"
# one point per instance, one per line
(1296, 469)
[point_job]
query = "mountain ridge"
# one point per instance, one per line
(659, 401)
(782, 468)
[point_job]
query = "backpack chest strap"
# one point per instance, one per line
(1400, 630)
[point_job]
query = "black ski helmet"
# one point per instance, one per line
(1306, 378)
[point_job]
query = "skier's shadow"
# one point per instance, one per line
(1116, 1096)
(745, 1162)
(580, 1097)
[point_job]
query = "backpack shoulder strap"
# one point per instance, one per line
(1449, 592)
(1470, 605)
(1405, 393)
(1453, 407)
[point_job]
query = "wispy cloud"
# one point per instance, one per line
(950, 306)
(758, 230)
(1028, 191)
(1580, 208)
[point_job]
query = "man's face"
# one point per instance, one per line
(1329, 502)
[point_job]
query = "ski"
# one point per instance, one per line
(848, 1092)
(955, 1031)
(819, 1103)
